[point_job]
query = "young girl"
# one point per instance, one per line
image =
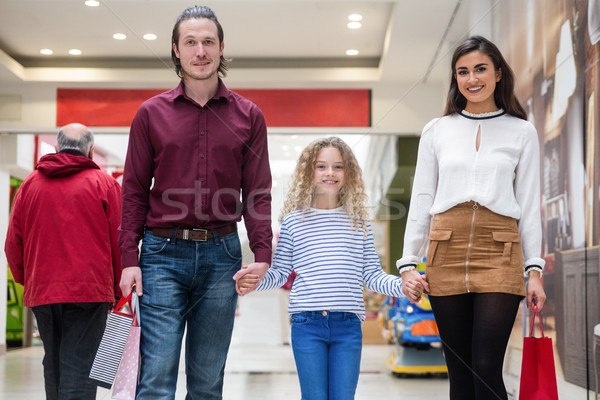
(476, 201)
(326, 239)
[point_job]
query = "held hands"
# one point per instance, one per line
(248, 278)
(131, 277)
(535, 290)
(414, 285)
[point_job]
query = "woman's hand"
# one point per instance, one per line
(535, 290)
(413, 285)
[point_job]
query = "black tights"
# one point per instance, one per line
(475, 329)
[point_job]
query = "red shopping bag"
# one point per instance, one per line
(538, 376)
(127, 375)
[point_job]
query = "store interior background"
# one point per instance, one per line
(284, 51)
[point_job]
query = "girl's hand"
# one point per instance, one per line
(535, 290)
(246, 283)
(413, 290)
(413, 285)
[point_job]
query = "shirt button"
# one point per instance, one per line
(202, 133)
(201, 155)
(324, 313)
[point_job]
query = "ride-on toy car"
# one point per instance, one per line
(412, 328)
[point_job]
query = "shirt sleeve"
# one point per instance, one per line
(256, 190)
(421, 200)
(373, 276)
(527, 194)
(13, 246)
(137, 178)
(113, 213)
(282, 262)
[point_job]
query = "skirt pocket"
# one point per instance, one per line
(505, 245)
(438, 245)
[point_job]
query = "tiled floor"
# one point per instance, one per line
(261, 367)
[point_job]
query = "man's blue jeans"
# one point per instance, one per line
(186, 284)
(327, 348)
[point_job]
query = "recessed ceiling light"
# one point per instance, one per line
(354, 25)
(149, 36)
(355, 17)
(120, 36)
(92, 3)
(75, 52)
(351, 52)
(46, 52)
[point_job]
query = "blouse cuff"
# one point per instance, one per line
(408, 267)
(540, 262)
(406, 261)
(530, 268)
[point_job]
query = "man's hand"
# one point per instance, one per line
(535, 290)
(258, 269)
(130, 277)
(247, 283)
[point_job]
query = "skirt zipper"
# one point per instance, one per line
(475, 207)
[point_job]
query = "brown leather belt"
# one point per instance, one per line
(197, 235)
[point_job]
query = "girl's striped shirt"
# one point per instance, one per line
(333, 262)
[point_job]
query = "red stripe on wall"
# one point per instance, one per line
(100, 107)
(281, 107)
(312, 107)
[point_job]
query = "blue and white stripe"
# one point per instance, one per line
(333, 262)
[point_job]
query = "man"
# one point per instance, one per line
(62, 245)
(192, 151)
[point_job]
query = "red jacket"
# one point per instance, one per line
(61, 243)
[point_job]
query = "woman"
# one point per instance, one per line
(476, 202)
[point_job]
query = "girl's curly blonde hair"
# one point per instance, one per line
(352, 196)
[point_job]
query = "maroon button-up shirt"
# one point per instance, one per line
(190, 166)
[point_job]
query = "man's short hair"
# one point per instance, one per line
(83, 144)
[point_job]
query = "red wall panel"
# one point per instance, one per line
(281, 107)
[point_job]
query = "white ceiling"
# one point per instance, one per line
(397, 42)
(281, 43)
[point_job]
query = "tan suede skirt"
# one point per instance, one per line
(474, 250)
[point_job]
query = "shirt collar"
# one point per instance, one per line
(72, 151)
(222, 92)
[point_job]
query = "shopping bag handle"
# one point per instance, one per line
(535, 310)
(133, 302)
(121, 304)
(135, 308)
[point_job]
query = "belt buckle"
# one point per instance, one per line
(202, 238)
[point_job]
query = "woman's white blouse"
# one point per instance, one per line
(503, 175)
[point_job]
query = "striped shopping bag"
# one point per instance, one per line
(111, 347)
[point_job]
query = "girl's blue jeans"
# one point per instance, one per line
(188, 286)
(327, 348)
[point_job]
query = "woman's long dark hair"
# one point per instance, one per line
(504, 94)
